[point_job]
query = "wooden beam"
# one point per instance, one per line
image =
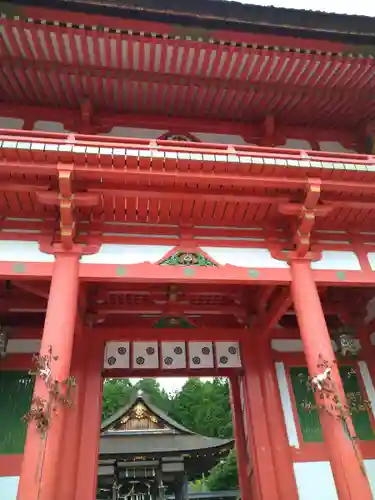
(40, 290)
(167, 334)
(279, 306)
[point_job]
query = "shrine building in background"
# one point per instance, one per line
(187, 189)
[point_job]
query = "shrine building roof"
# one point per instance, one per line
(142, 429)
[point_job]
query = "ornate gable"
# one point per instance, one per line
(139, 418)
(140, 415)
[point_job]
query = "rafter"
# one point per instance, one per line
(362, 98)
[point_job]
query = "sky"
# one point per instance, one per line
(359, 7)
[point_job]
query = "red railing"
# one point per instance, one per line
(185, 147)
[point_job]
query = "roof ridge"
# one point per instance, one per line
(141, 396)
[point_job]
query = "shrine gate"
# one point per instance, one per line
(188, 191)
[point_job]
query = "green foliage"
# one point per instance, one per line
(116, 394)
(198, 486)
(204, 407)
(157, 395)
(224, 475)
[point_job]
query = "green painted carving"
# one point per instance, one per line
(341, 275)
(253, 273)
(173, 322)
(16, 389)
(188, 272)
(120, 271)
(309, 419)
(355, 398)
(187, 259)
(19, 268)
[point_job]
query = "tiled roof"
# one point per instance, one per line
(263, 18)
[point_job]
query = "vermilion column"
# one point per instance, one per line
(239, 434)
(87, 467)
(281, 451)
(258, 435)
(346, 461)
(73, 423)
(40, 465)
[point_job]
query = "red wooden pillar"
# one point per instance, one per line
(40, 465)
(87, 469)
(73, 423)
(281, 451)
(239, 434)
(258, 435)
(346, 461)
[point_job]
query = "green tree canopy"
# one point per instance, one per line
(116, 394)
(204, 407)
(224, 475)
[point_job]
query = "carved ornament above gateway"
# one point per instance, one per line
(181, 258)
(171, 355)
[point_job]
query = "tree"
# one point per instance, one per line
(204, 407)
(224, 475)
(157, 395)
(116, 394)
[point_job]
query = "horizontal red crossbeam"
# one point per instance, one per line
(227, 180)
(173, 194)
(36, 305)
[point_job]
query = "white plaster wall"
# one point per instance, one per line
(23, 251)
(126, 254)
(371, 259)
(315, 481)
(245, 257)
(370, 469)
(139, 133)
(287, 345)
(47, 126)
(286, 403)
(336, 261)
(334, 147)
(296, 144)
(236, 140)
(23, 346)
(9, 487)
(11, 123)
